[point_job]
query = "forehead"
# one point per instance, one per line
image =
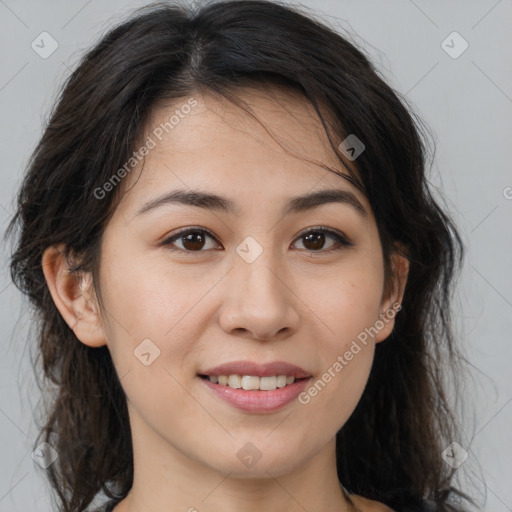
(275, 141)
(275, 119)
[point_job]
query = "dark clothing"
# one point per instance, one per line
(111, 505)
(108, 507)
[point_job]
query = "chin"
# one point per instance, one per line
(249, 462)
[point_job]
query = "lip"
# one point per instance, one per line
(257, 401)
(257, 370)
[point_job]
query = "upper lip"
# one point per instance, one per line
(257, 370)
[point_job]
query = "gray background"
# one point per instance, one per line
(467, 102)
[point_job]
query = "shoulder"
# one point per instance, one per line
(367, 505)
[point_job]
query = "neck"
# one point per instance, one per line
(167, 479)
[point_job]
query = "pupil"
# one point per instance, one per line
(317, 238)
(189, 239)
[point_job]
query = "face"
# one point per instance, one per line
(255, 286)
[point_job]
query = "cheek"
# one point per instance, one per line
(147, 313)
(332, 396)
(348, 300)
(148, 297)
(344, 309)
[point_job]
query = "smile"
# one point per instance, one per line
(256, 388)
(252, 382)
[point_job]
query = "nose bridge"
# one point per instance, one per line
(259, 301)
(257, 266)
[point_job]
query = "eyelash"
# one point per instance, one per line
(341, 240)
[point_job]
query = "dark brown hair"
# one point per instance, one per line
(390, 448)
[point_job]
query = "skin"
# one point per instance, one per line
(294, 303)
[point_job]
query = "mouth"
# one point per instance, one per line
(253, 382)
(256, 388)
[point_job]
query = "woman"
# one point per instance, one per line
(241, 276)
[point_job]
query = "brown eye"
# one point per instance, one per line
(315, 239)
(192, 240)
(196, 240)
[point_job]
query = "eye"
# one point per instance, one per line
(194, 240)
(314, 239)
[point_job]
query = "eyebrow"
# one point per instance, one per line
(223, 204)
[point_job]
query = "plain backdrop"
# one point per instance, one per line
(464, 96)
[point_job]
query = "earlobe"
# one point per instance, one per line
(392, 301)
(74, 297)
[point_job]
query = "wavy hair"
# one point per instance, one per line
(390, 448)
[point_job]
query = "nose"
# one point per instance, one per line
(259, 303)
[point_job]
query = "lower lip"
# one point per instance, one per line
(258, 401)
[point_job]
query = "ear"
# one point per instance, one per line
(393, 295)
(74, 297)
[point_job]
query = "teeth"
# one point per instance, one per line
(281, 381)
(251, 382)
(268, 383)
(235, 381)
